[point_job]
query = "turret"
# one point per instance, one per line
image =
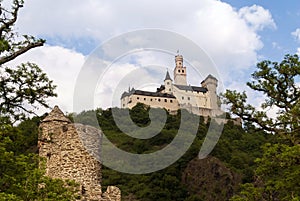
(168, 83)
(179, 71)
(211, 83)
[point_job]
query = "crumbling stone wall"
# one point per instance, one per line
(64, 144)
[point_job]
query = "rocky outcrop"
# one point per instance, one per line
(210, 179)
(69, 150)
(111, 194)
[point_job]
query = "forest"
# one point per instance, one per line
(258, 160)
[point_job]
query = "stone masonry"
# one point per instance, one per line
(65, 145)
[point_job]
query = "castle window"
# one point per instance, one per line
(182, 98)
(179, 63)
(169, 89)
(178, 71)
(123, 105)
(171, 101)
(189, 98)
(165, 100)
(144, 98)
(65, 128)
(168, 82)
(159, 99)
(150, 99)
(83, 190)
(49, 155)
(138, 98)
(183, 71)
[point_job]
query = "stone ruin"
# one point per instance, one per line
(63, 144)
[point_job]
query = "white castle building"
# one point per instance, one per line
(201, 100)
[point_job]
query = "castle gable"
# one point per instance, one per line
(56, 115)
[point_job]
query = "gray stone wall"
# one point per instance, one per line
(64, 145)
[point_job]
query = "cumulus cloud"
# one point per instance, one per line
(62, 66)
(296, 34)
(229, 36)
(257, 17)
(225, 33)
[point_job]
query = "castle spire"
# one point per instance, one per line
(168, 76)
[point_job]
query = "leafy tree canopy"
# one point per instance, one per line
(24, 87)
(278, 171)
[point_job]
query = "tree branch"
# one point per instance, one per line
(15, 54)
(14, 18)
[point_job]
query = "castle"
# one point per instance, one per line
(201, 100)
(67, 148)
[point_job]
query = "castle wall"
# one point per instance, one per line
(170, 104)
(192, 98)
(63, 144)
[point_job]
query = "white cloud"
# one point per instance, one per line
(225, 33)
(229, 36)
(298, 51)
(296, 34)
(62, 66)
(257, 17)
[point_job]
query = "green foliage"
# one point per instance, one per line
(237, 148)
(22, 175)
(277, 173)
(278, 82)
(25, 87)
(279, 169)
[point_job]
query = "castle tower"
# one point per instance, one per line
(179, 71)
(168, 84)
(211, 83)
(63, 145)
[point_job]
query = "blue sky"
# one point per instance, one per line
(236, 34)
(286, 15)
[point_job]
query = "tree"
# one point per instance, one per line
(278, 171)
(22, 176)
(25, 87)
